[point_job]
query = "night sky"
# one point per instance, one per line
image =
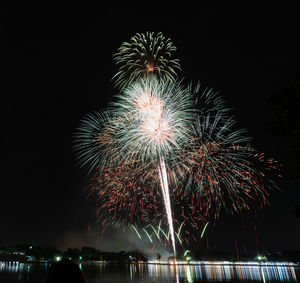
(57, 66)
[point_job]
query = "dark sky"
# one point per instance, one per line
(57, 66)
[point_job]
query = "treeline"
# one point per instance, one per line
(284, 256)
(49, 253)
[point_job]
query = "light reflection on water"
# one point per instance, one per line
(208, 272)
(224, 272)
(22, 272)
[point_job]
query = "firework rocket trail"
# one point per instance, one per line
(166, 195)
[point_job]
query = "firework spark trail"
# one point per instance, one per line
(166, 195)
(203, 231)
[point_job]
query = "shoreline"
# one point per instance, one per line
(165, 263)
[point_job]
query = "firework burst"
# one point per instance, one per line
(145, 54)
(151, 118)
(127, 196)
(221, 167)
(95, 141)
(158, 118)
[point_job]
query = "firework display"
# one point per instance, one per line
(166, 158)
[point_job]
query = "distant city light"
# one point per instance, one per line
(261, 257)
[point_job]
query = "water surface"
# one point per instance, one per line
(146, 273)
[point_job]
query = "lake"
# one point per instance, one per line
(151, 272)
